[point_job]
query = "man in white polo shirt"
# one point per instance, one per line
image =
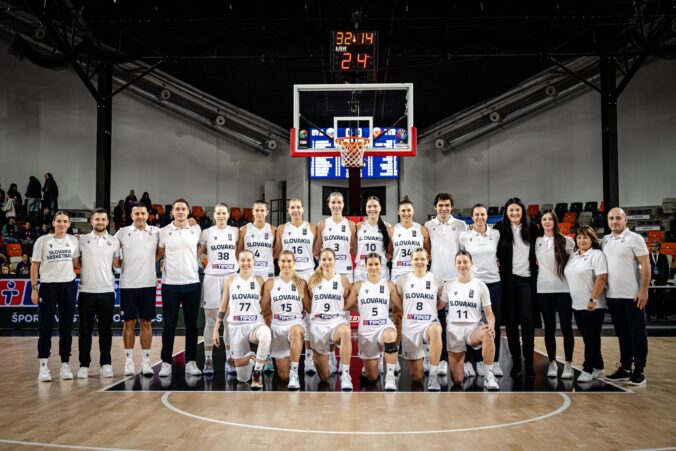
(444, 232)
(627, 295)
(138, 285)
(180, 285)
(97, 292)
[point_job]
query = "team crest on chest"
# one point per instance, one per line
(414, 233)
(366, 289)
(335, 285)
(253, 285)
(229, 236)
(428, 285)
(304, 231)
(471, 293)
(382, 289)
(293, 287)
(342, 228)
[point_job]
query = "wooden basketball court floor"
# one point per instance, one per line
(135, 413)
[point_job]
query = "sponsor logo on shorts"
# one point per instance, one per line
(374, 322)
(403, 263)
(222, 266)
(279, 317)
(302, 259)
(245, 318)
(327, 316)
(417, 317)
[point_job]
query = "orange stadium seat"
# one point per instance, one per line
(235, 213)
(248, 214)
(570, 235)
(14, 250)
(197, 212)
(668, 249)
(564, 227)
(533, 210)
(570, 217)
(159, 208)
(655, 235)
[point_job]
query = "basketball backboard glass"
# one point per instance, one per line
(382, 113)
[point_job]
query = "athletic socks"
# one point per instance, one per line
(227, 355)
(208, 354)
(259, 366)
(488, 367)
(43, 362)
(129, 354)
(146, 354)
(308, 354)
(390, 369)
(294, 366)
(345, 368)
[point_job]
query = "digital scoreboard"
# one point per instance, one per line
(354, 51)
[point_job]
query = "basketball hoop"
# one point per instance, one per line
(352, 150)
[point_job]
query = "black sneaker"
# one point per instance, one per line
(621, 375)
(515, 371)
(637, 379)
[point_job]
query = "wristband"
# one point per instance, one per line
(592, 300)
(221, 315)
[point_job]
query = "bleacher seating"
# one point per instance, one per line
(544, 207)
(655, 236)
(533, 210)
(492, 211)
(576, 207)
(197, 212)
(560, 209)
(13, 250)
(586, 218)
(591, 206)
(159, 208)
(248, 214)
(669, 205)
(570, 217)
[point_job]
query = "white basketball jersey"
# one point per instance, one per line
(465, 301)
(404, 242)
(328, 303)
(287, 307)
(369, 239)
(419, 296)
(338, 238)
(221, 245)
(259, 241)
(244, 305)
(374, 304)
(299, 240)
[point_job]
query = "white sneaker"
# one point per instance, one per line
(345, 382)
(490, 382)
(397, 368)
(390, 383)
(66, 373)
(208, 367)
(497, 371)
(83, 372)
(44, 375)
(552, 369)
(165, 369)
(480, 369)
(469, 370)
(310, 366)
(433, 383)
(191, 369)
(146, 368)
(230, 369)
(129, 368)
(294, 383)
(598, 374)
(333, 364)
(567, 372)
(443, 368)
(107, 371)
(585, 377)
(426, 365)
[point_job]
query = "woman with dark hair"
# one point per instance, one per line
(33, 195)
(50, 193)
(587, 272)
(552, 250)
(518, 273)
(119, 215)
(145, 200)
(13, 193)
(372, 236)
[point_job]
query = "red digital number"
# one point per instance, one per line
(362, 60)
(345, 62)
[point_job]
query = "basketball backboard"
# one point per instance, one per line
(381, 112)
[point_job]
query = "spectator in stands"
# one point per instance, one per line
(129, 202)
(3, 258)
(10, 232)
(145, 200)
(44, 230)
(10, 205)
(50, 193)
(33, 196)
(5, 270)
(24, 266)
(27, 234)
(46, 217)
(120, 215)
(2, 196)
(659, 275)
(2, 204)
(13, 193)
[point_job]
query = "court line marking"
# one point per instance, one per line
(56, 445)
(563, 407)
(153, 365)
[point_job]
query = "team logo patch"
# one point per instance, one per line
(238, 287)
(330, 229)
(230, 236)
(412, 286)
(267, 235)
(279, 288)
(342, 229)
(253, 285)
(428, 285)
(304, 231)
(335, 285)
(414, 233)
(366, 289)
(471, 293)
(453, 228)
(293, 287)
(382, 289)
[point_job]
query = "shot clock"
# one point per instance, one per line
(354, 51)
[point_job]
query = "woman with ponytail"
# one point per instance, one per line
(372, 237)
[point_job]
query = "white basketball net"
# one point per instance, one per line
(352, 150)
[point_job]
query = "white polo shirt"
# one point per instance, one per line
(138, 256)
(581, 273)
(96, 275)
(444, 240)
(548, 279)
(180, 254)
(624, 276)
(520, 251)
(56, 258)
(484, 250)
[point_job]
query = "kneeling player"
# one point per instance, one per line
(242, 303)
(376, 330)
(282, 305)
(420, 292)
(465, 297)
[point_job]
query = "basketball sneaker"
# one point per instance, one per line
(433, 383)
(585, 377)
(552, 369)
(621, 375)
(598, 373)
(191, 369)
(44, 375)
(230, 369)
(443, 368)
(146, 368)
(390, 383)
(310, 366)
(469, 370)
(497, 371)
(65, 373)
(480, 370)
(333, 364)
(490, 382)
(269, 368)
(83, 372)
(129, 368)
(165, 369)
(637, 378)
(294, 383)
(107, 371)
(257, 380)
(208, 367)
(567, 372)
(345, 381)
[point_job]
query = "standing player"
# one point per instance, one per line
(55, 257)
(373, 297)
(97, 292)
(242, 304)
(327, 312)
(259, 238)
(405, 237)
(298, 237)
(138, 285)
(180, 285)
(466, 296)
(282, 306)
(420, 292)
(219, 243)
(372, 236)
